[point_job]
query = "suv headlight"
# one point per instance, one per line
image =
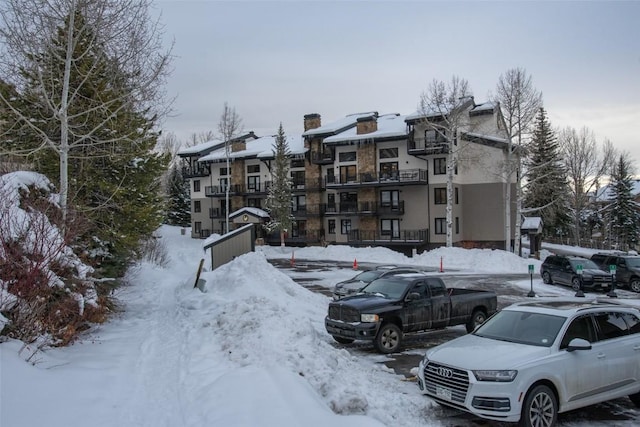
(369, 318)
(496, 376)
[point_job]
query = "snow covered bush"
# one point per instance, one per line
(45, 289)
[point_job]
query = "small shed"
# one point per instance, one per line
(248, 215)
(228, 246)
(532, 226)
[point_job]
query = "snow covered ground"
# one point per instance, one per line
(249, 351)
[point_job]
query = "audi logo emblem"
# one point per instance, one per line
(444, 372)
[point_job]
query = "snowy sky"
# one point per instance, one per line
(277, 61)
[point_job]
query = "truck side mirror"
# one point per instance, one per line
(413, 296)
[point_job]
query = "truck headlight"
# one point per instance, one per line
(369, 318)
(496, 376)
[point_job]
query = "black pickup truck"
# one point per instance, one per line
(388, 308)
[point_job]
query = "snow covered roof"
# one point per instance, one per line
(209, 146)
(257, 212)
(532, 223)
(389, 126)
(261, 148)
(605, 193)
(338, 125)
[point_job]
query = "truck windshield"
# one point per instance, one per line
(388, 288)
(522, 327)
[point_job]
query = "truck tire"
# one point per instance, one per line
(388, 339)
(634, 284)
(478, 317)
(540, 408)
(342, 340)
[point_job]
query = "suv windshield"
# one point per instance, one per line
(368, 276)
(585, 263)
(522, 327)
(387, 288)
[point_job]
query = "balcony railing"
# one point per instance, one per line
(196, 172)
(384, 238)
(298, 237)
(406, 176)
(363, 208)
(307, 210)
(426, 146)
(322, 157)
(217, 213)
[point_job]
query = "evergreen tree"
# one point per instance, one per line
(179, 199)
(547, 188)
(278, 202)
(114, 173)
(624, 219)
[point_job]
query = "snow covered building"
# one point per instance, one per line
(368, 179)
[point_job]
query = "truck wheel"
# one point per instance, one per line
(388, 339)
(540, 408)
(575, 283)
(478, 317)
(546, 278)
(342, 340)
(634, 284)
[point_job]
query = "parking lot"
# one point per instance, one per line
(319, 276)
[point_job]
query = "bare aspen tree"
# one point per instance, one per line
(444, 108)
(519, 102)
(44, 43)
(229, 127)
(586, 164)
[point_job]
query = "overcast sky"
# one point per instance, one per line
(277, 61)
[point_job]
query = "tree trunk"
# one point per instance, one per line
(450, 170)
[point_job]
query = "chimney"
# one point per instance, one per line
(238, 145)
(311, 121)
(367, 124)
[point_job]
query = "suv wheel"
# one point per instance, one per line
(388, 339)
(634, 284)
(546, 278)
(540, 408)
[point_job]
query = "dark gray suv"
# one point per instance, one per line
(627, 268)
(564, 270)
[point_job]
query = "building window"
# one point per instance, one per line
(389, 170)
(345, 226)
(297, 178)
(197, 207)
(299, 229)
(349, 156)
(332, 226)
(389, 153)
(254, 203)
(197, 227)
(223, 172)
(223, 184)
(253, 183)
(196, 185)
(433, 137)
(457, 225)
(348, 174)
(297, 163)
(441, 226)
(390, 198)
(253, 168)
(348, 202)
(299, 204)
(456, 195)
(440, 196)
(440, 166)
(390, 228)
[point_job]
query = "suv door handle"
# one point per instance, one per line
(601, 356)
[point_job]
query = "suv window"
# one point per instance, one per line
(581, 327)
(633, 322)
(611, 325)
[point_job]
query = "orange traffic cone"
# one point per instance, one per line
(293, 259)
(441, 269)
(355, 264)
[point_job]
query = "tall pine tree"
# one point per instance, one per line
(547, 188)
(278, 202)
(179, 199)
(114, 172)
(622, 212)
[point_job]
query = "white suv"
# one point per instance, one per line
(535, 359)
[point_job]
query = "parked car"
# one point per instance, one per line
(359, 281)
(564, 270)
(392, 306)
(535, 359)
(627, 268)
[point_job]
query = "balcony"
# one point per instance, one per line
(196, 172)
(363, 208)
(322, 157)
(306, 210)
(379, 179)
(217, 213)
(402, 237)
(221, 190)
(298, 239)
(261, 188)
(424, 146)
